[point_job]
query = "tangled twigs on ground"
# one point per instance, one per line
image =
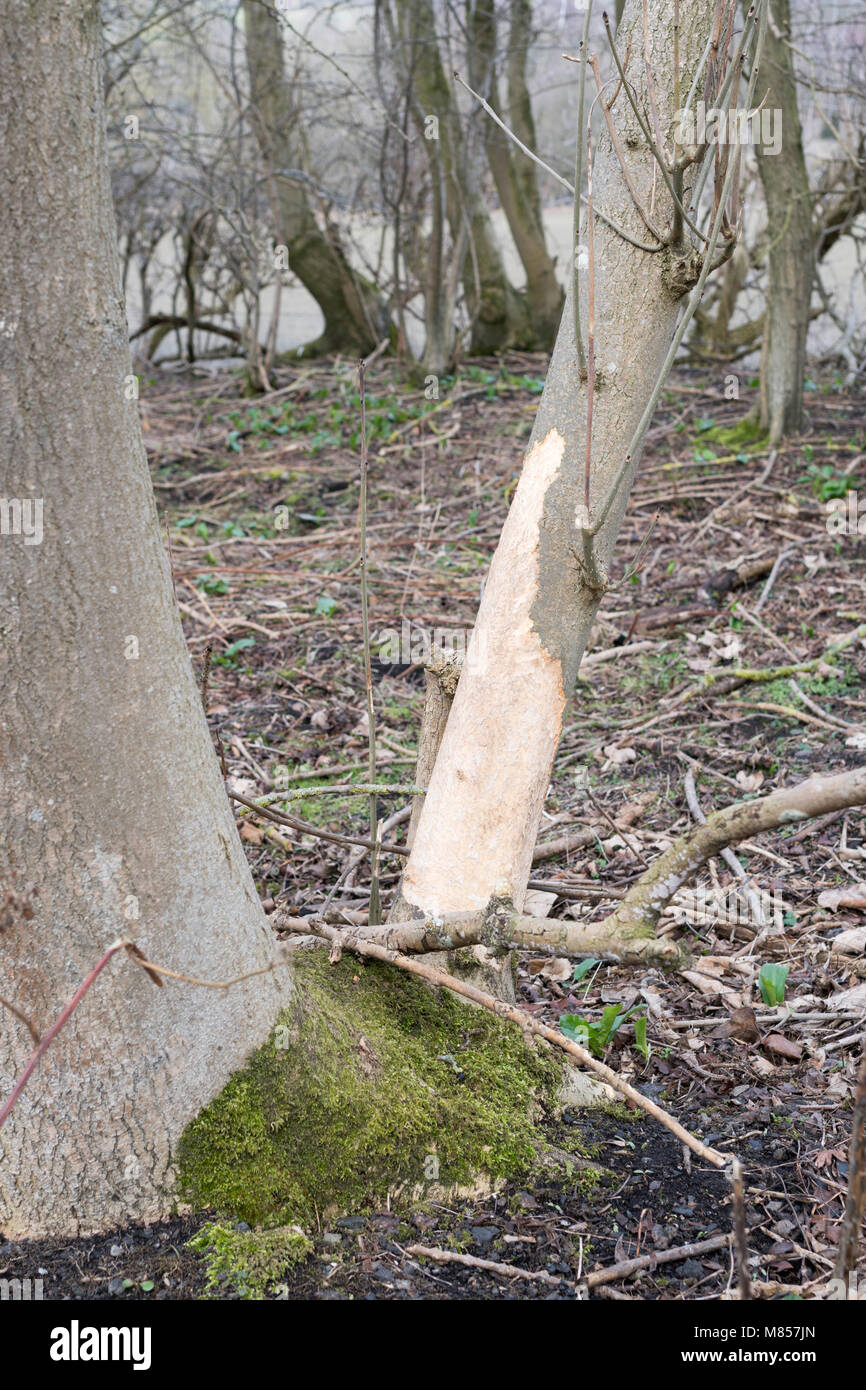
(623, 1270)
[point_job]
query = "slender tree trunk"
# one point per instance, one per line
(477, 829)
(497, 312)
(113, 818)
(789, 228)
(513, 173)
(355, 317)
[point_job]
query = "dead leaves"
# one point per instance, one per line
(742, 1025)
(853, 895)
(783, 1047)
(558, 969)
(616, 755)
(850, 943)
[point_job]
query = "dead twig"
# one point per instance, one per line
(431, 1252)
(740, 1242)
(855, 1201)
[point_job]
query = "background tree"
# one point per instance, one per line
(516, 176)
(790, 257)
(497, 312)
(355, 317)
(476, 833)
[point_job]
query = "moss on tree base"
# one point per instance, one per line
(371, 1084)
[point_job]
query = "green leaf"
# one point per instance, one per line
(582, 969)
(146, 1285)
(772, 982)
(239, 646)
(578, 1029)
(640, 1041)
(610, 1022)
(326, 605)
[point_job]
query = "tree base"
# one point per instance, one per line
(372, 1085)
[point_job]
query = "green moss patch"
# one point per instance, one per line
(372, 1083)
(248, 1261)
(746, 433)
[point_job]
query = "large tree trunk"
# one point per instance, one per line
(355, 317)
(477, 829)
(514, 173)
(789, 228)
(113, 821)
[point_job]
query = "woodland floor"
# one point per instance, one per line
(261, 499)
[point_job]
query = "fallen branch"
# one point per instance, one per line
(625, 1268)
(506, 928)
(647, 898)
(431, 1252)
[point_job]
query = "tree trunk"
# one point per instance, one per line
(113, 819)
(477, 829)
(789, 228)
(355, 317)
(514, 173)
(497, 312)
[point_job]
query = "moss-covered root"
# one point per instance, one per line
(372, 1084)
(248, 1262)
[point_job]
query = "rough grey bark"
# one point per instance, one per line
(356, 319)
(789, 225)
(477, 830)
(113, 817)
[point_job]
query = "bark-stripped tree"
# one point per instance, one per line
(476, 833)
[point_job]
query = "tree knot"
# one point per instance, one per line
(681, 270)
